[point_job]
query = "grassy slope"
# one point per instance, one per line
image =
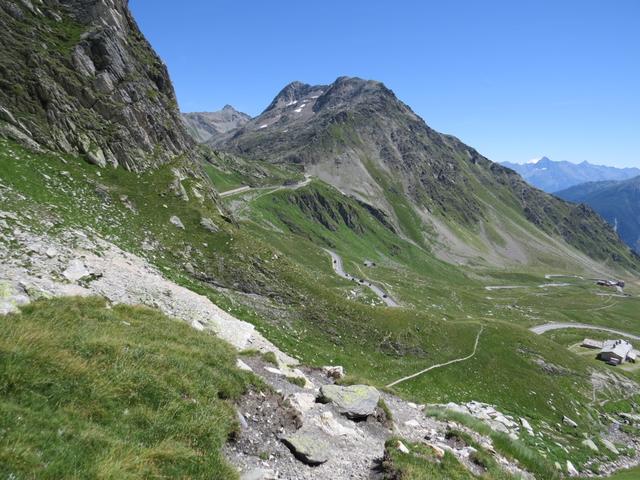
(124, 392)
(450, 306)
(277, 254)
(421, 462)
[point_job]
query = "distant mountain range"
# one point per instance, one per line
(552, 176)
(430, 188)
(205, 126)
(617, 201)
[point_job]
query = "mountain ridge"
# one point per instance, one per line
(618, 202)
(553, 176)
(203, 126)
(358, 136)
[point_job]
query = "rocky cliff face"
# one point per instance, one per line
(78, 76)
(206, 126)
(356, 135)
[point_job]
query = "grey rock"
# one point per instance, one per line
(571, 470)
(116, 84)
(258, 474)
(177, 222)
(308, 446)
(76, 271)
(610, 446)
(11, 298)
(567, 421)
(208, 225)
(402, 448)
(590, 444)
(354, 401)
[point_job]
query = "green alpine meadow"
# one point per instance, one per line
(324, 288)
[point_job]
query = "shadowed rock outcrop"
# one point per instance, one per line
(78, 76)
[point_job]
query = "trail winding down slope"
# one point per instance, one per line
(433, 367)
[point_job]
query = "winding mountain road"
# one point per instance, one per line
(233, 191)
(274, 188)
(336, 262)
(540, 329)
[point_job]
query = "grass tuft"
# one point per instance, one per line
(126, 392)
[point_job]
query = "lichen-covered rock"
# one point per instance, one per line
(11, 297)
(308, 446)
(354, 401)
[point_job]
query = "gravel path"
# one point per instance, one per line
(234, 191)
(433, 367)
(339, 269)
(246, 188)
(540, 329)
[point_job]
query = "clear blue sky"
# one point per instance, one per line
(514, 79)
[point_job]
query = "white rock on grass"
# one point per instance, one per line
(402, 447)
(590, 444)
(243, 366)
(610, 446)
(571, 470)
(177, 222)
(526, 425)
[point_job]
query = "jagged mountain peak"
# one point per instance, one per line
(292, 94)
(205, 126)
(356, 135)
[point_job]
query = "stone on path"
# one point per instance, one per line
(354, 401)
(332, 427)
(307, 446)
(258, 474)
(302, 402)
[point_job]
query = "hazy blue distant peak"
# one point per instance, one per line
(552, 176)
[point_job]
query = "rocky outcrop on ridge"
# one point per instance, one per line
(78, 76)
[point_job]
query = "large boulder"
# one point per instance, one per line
(355, 401)
(307, 446)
